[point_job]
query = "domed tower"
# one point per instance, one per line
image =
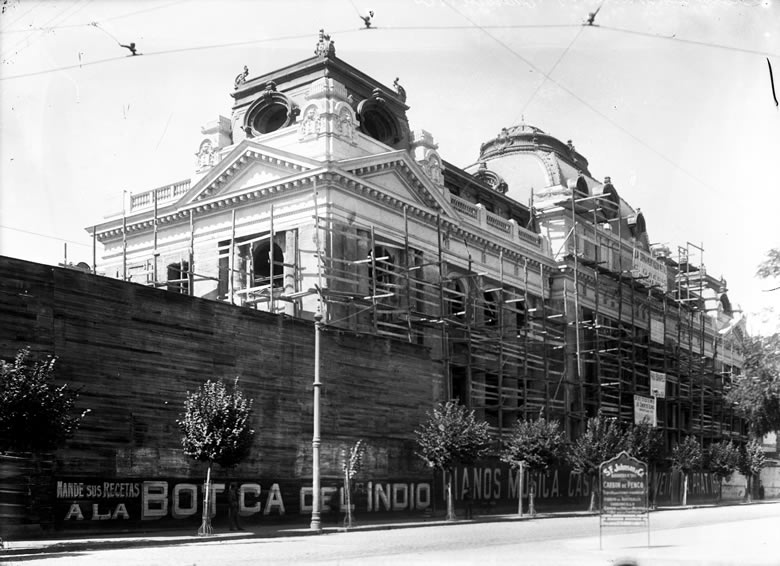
(534, 164)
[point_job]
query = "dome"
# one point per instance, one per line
(526, 138)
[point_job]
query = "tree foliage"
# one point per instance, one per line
(721, 459)
(687, 456)
(770, 267)
(750, 463)
(604, 438)
(215, 425)
(538, 443)
(645, 443)
(36, 415)
(452, 435)
(756, 393)
(352, 459)
(751, 459)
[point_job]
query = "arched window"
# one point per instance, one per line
(261, 260)
(377, 121)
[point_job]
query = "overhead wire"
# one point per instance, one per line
(49, 236)
(21, 16)
(86, 24)
(168, 52)
(552, 70)
(689, 41)
(62, 15)
(584, 102)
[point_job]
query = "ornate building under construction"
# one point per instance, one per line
(532, 283)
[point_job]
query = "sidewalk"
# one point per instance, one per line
(72, 542)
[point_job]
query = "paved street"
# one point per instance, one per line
(737, 535)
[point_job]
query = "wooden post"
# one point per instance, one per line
(272, 262)
(124, 236)
(155, 252)
(231, 261)
(94, 249)
(191, 263)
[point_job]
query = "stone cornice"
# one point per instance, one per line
(179, 213)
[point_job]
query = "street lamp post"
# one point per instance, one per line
(315, 441)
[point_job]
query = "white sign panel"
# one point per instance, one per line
(658, 384)
(656, 330)
(652, 271)
(644, 409)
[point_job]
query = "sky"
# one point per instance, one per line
(670, 98)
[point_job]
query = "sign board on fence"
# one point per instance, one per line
(624, 487)
(644, 409)
(658, 384)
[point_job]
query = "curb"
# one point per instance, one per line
(63, 546)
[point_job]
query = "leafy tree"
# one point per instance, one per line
(756, 393)
(721, 459)
(770, 267)
(351, 464)
(751, 460)
(451, 436)
(646, 443)
(535, 446)
(604, 438)
(686, 457)
(36, 415)
(216, 428)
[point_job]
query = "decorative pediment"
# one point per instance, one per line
(248, 164)
(397, 174)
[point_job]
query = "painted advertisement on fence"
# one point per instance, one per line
(87, 503)
(82, 501)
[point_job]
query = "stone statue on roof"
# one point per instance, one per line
(241, 78)
(325, 45)
(400, 90)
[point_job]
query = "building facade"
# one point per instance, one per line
(532, 283)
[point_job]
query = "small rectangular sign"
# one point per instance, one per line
(656, 330)
(644, 410)
(650, 271)
(658, 384)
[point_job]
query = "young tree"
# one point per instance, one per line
(451, 436)
(646, 443)
(36, 415)
(351, 464)
(721, 459)
(687, 457)
(535, 446)
(216, 428)
(604, 438)
(756, 393)
(751, 460)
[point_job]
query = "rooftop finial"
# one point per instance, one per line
(241, 77)
(400, 90)
(325, 45)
